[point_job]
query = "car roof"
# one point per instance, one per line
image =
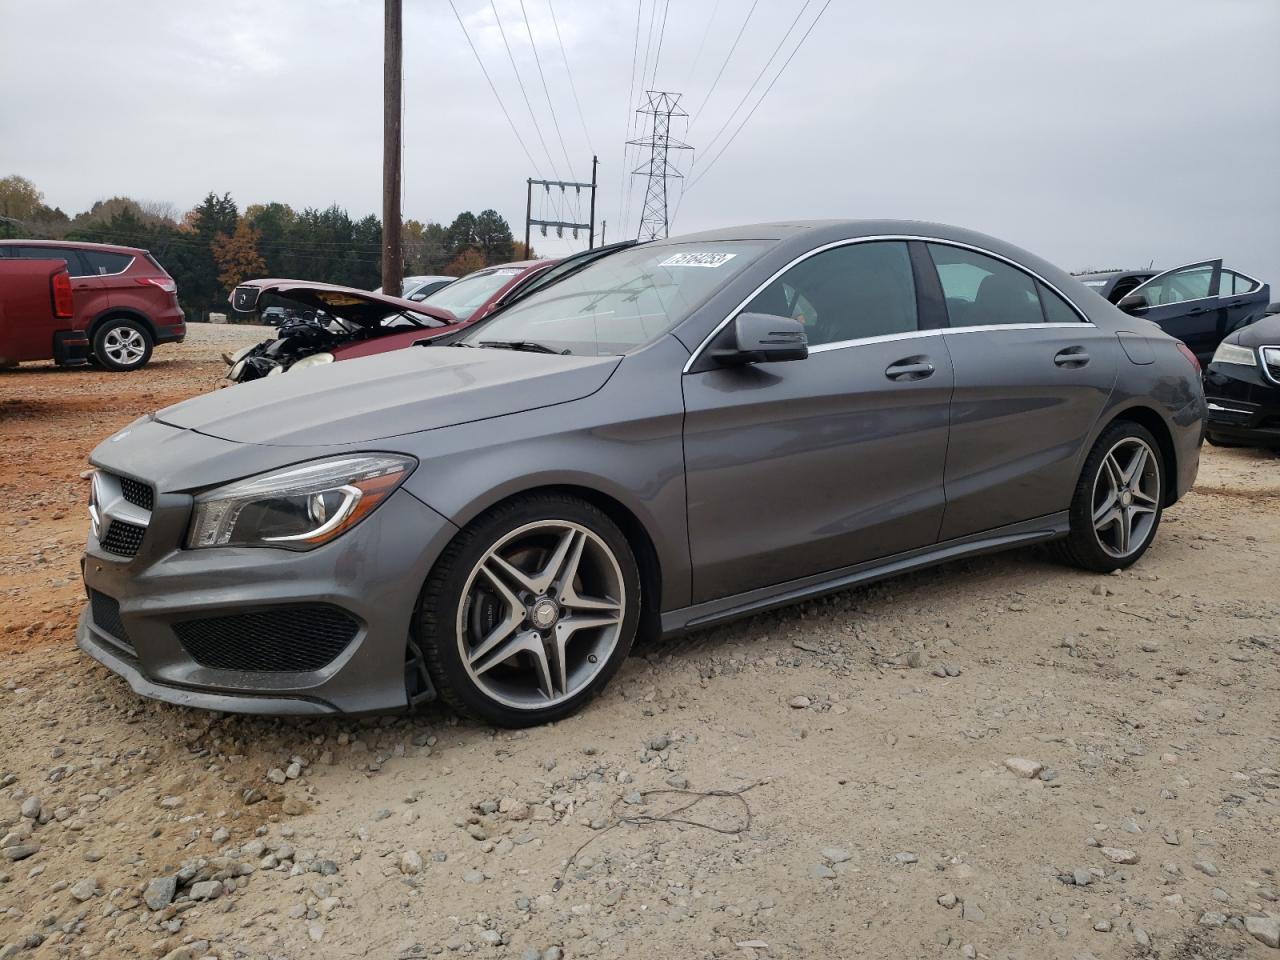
(74, 244)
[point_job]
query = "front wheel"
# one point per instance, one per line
(530, 611)
(121, 344)
(1118, 500)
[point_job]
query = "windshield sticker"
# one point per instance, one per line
(698, 260)
(509, 272)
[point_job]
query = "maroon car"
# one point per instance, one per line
(339, 323)
(125, 302)
(37, 311)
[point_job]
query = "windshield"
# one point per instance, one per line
(623, 301)
(464, 297)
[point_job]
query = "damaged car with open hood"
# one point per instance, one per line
(328, 323)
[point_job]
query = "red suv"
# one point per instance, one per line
(125, 302)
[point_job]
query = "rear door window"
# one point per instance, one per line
(102, 262)
(75, 266)
(982, 291)
(1056, 310)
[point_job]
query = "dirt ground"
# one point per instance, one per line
(862, 752)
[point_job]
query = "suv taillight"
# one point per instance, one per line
(1191, 357)
(164, 283)
(60, 288)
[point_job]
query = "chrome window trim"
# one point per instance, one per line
(1266, 367)
(1257, 284)
(1084, 317)
(946, 332)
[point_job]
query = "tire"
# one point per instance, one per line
(498, 607)
(121, 344)
(1097, 539)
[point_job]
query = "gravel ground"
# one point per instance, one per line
(997, 758)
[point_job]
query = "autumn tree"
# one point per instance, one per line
(466, 262)
(19, 198)
(237, 255)
(520, 252)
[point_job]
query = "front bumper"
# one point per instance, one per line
(153, 602)
(1244, 407)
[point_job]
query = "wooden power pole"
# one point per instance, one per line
(392, 71)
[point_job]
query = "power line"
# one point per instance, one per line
(525, 93)
(624, 195)
(502, 106)
(697, 57)
(569, 73)
(751, 113)
(555, 120)
(760, 76)
(653, 80)
(728, 56)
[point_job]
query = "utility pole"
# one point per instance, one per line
(393, 51)
(591, 234)
(561, 225)
(662, 106)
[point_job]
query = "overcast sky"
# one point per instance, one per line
(1094, 132)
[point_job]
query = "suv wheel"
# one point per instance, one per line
(1118, 500)
(530, 611)
(122, 344)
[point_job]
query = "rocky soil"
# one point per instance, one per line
(999, 758)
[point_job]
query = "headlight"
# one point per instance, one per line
(236, 371)
(315, 360)
(297, 508)
(1234, 353)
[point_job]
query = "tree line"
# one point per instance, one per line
(215, 246)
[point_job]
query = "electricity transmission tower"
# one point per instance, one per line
(662, 106)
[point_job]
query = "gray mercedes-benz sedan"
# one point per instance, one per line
(682, 432)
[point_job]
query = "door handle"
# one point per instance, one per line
(1197, 311)
(912, 368)
(1071, 357)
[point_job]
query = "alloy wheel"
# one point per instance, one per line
(125, 345)
(541, 613)
(1126, 497)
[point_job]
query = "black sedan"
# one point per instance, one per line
(1242, 385)
(1199, 303)
(1115, 285)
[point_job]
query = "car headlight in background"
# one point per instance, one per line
(1234, 353)
(300, 507)
(315, 360)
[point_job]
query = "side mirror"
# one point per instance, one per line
(1133, 303)
(760, 338)
(418, 297)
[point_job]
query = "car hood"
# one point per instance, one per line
(388, 395)
(1264, 332)
(363, 307)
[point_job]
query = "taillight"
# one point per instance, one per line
(60, 288)
(164, 283)
(1191, 357)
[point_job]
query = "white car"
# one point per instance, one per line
(419, 288)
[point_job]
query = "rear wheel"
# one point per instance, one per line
(530, 611)
(1118, 500)
(122, 344)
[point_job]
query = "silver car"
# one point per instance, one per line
(680, 433)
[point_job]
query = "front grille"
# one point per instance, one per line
(137, 493)
(106, 616)
(123, 538)
(291, 639)
(1271, 362)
